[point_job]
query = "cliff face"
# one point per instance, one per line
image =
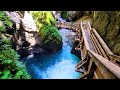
(107, 23)
(28, 38)
(73, 15)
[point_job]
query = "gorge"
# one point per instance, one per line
(34, 47)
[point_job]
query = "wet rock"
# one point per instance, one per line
(75, 52)
(52, 46)
(26, 39)
(37, 49)
(71, 38)
(71, 15)
(50, 38)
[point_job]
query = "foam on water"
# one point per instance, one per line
(60, 65)
(62, 70)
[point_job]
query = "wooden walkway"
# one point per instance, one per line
(97, 60)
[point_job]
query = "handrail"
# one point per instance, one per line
(109, 65)
(111, 68)
(85, 39)
(103, 64)
(108, 51)
(89, 25)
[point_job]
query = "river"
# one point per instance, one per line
(60, 65)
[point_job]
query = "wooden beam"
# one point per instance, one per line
(85, 39)
(107, 68)
(95, 45)
(80, 62)
(99, 74)
(115, 59)
(80, 65)
(108, 51)
(100, 47)
(84, 75)
(96, 77)
(89, 26)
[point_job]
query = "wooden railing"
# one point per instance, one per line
(107, 68)
(69, 25)
(97, 60)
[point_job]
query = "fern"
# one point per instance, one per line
(7, 61)
(5, 74)
(6, 20)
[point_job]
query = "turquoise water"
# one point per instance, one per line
(60, 65)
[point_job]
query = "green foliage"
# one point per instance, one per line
(49, 18)
(9, 60)
(64, 14)
(46, 24)
(43, 18)
(10, 66)
(2, 28)
(5, 74)
(5, 41)
(5, 19)
(50, 33)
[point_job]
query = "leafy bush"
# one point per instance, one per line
(10, 66)
(5, 19)
(43, 18)
(47, 30)
(50, 33)
(46, 24)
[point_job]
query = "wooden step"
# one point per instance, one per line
(80, 70)
(80, 62)
(80, 65)
(84, 76)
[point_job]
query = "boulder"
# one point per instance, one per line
(75, 52)
(50, 38)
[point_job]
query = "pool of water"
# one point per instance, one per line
(60, 65)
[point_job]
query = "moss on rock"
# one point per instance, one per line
(49, 35)
(75, 52)
(50, 38)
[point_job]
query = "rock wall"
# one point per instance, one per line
(26, 39)
(49, 34)
(50, 38)
(73, 15)
(107, 23)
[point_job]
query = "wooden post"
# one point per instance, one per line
(107, 68)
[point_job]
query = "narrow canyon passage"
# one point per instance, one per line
(59, 44)
(60, 65)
